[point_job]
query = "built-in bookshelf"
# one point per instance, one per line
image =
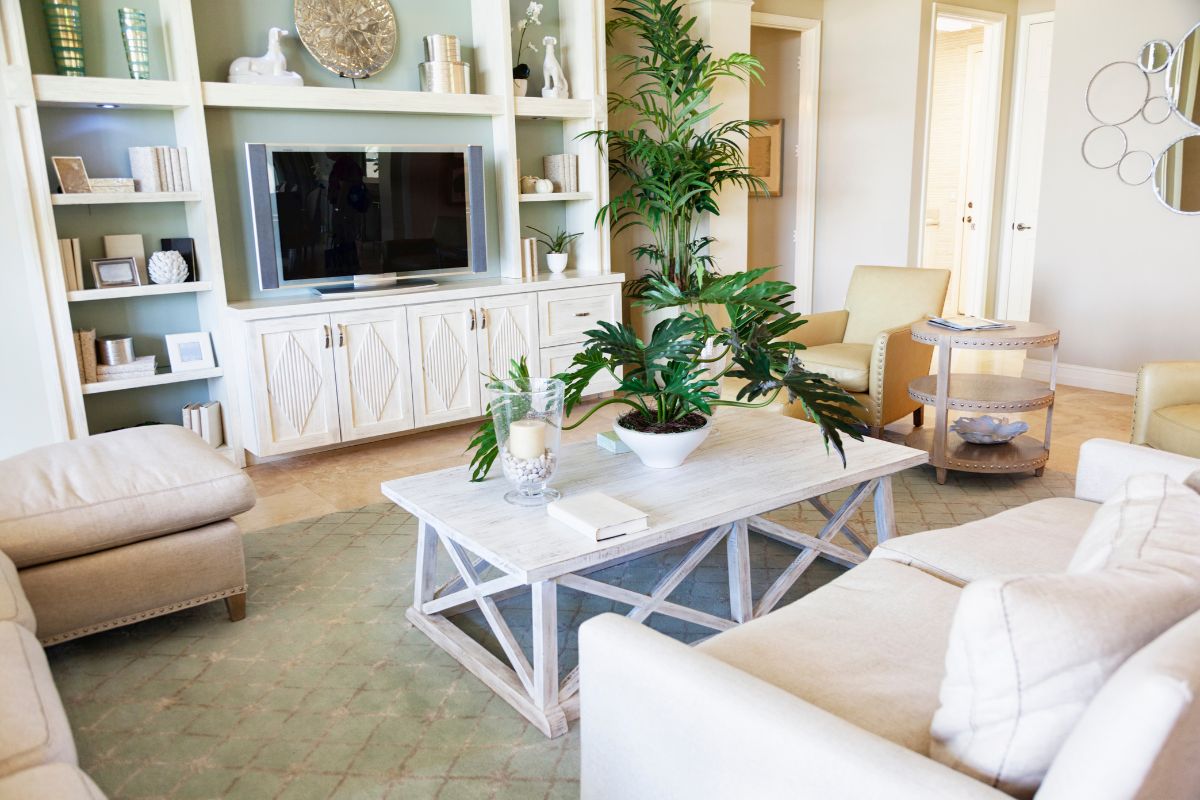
(192, 43)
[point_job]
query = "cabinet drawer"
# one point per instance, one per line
(565, 314)
(557, 359)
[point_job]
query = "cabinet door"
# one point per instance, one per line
(557, 359)
(371, 360)
(508, 330)
(445, 358)
(292, 384)
(566, 314)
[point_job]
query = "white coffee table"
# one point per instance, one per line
(754, 462)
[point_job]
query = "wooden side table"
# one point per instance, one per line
(984, 394)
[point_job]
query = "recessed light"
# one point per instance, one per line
(107, 105)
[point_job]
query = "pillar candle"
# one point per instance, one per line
(527, 438)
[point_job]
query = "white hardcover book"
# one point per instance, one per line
(598, 515)
(187, 416)
(186, 168)
(68, 264)
(194, 411)
(211, 429)
(143, 167)
(164, 172)
(78, 354)
(77, 263)
(176, 169)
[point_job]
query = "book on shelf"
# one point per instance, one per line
(964, 323)
(86, 347)
(529, 259)
(185, 169)
(562, 170)
(67, 254)
(78, 354)
(143, 166)
(597, 515)
(77, 258)
(176, 169)
(140, 367)
(204, 420)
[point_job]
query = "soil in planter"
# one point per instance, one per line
(634, 421)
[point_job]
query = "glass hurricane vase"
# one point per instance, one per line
(528, 414)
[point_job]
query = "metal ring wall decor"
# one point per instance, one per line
(1121, 91)
(350, 38)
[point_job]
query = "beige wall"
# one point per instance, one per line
(1114, 269)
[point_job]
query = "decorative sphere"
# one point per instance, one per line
(167, 266)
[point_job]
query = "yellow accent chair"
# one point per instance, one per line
(867, 347)
(1166, 411)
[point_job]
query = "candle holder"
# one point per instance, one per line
(528, 413)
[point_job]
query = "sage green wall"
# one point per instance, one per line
(528, 55)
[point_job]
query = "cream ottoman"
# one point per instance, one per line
(123, 526)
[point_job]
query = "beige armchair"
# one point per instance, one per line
(1166, 412)
(867, 348)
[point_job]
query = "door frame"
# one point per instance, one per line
(995, 42)
(1004, 269)
(806, 144)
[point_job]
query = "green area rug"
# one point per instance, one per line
(325, 690)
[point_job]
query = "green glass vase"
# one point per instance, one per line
(66, 35)
(137, 42)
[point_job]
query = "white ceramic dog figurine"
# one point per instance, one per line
(269, 69)
(555, 82)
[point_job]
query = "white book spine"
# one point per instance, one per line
(78, 354)
(210, 424)
(186, 167)
(77, 263)
(176, 169)
(68, 264)
(143, 168)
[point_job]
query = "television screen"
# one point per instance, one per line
(337, 212)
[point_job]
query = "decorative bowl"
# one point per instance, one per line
(167, 266)
(988, 430)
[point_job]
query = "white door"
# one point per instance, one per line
(292, 383)
(445, 357)
(371, 362)
(508, 331)
(1030, 102)
(970, 265)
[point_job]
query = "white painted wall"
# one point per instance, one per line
(1114, 269)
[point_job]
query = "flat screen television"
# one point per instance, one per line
(347, 218)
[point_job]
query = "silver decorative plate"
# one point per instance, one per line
(351, 38)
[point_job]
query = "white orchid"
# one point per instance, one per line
(533, 14)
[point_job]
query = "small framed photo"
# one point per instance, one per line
(72, 175)
(766, 156)
(190, 351)
(112, 273)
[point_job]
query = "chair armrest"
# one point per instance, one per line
(896, 360)
(662, 720)
(1162, 384)
(1105, 465)
(828, 327)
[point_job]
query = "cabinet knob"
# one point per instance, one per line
(583, 313)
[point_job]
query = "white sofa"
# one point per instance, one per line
(832, 696)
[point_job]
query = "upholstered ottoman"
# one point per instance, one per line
(123, 526)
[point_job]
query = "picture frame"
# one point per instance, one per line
(72, 175)
(115, 273)
(765, 157)
(188, 352)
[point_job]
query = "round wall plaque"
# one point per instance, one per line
(351, 38)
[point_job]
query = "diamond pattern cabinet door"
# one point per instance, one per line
(292, 387)
(445, 361)
(371, 360)
(507, 330)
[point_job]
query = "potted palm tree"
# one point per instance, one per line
(670, 164)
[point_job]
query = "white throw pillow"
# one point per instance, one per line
(1027, 654)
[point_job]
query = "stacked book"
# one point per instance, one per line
(119, 185)
(563, 171)
(204, 420)
(72, 264)
(529, 259)
(969, 324)
(160, 169)
(598, 516)
(141, 367)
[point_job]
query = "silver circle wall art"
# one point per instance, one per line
(1123, 91)
(350, 38)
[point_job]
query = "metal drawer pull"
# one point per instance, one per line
(471, 327)
(583, 313)
(341, 335)
(482, 318)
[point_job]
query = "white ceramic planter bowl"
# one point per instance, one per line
(663, 450)
(557, 262)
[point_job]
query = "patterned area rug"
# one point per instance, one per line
(325, 690)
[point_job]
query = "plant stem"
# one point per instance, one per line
(599, 406)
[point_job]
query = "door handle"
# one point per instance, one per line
(341, 335)
(583, 313)
(471, 326)
(328, 337)
(482, 318)
(1021, 226)
(968, 218)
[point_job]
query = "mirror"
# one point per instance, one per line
(1157, 110)
(1135, 167)
(1117, 93)
(1104, 147)
(1155, 55)
(1183, 78)
(1177, 176)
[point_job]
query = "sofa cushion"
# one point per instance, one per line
(867, 647)
(1138, 737)
(1027, 654)
(1038, 537)
(14, 606)
(848, 364)
(105, 491)
(33, 725)
(1153, 518)
(58, 781)
(1176, 428)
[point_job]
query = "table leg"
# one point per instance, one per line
(941, 408)
(424, 583)
(545, 644)
(885, 511)
(741, 601)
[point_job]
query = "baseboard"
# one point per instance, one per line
(1104, 380)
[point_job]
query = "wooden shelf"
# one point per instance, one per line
(543, 108)
(323, 98)
(68, 92)
(117, 198)
(161, 379)
(85, 295)
(555, 197)
(1023, 454)
(985, 393)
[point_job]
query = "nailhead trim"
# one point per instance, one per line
(143, 615)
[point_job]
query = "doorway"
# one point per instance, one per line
(963, 111)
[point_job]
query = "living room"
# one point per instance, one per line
(599, 398)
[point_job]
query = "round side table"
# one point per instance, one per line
(985, 394)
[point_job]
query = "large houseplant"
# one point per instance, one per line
(671, 163)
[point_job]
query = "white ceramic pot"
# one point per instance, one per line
(520, 86)
(557, 262)
(663, 450)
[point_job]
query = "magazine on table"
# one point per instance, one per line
(964, 323)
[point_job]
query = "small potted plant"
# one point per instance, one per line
(557, 245)
(533, 16)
